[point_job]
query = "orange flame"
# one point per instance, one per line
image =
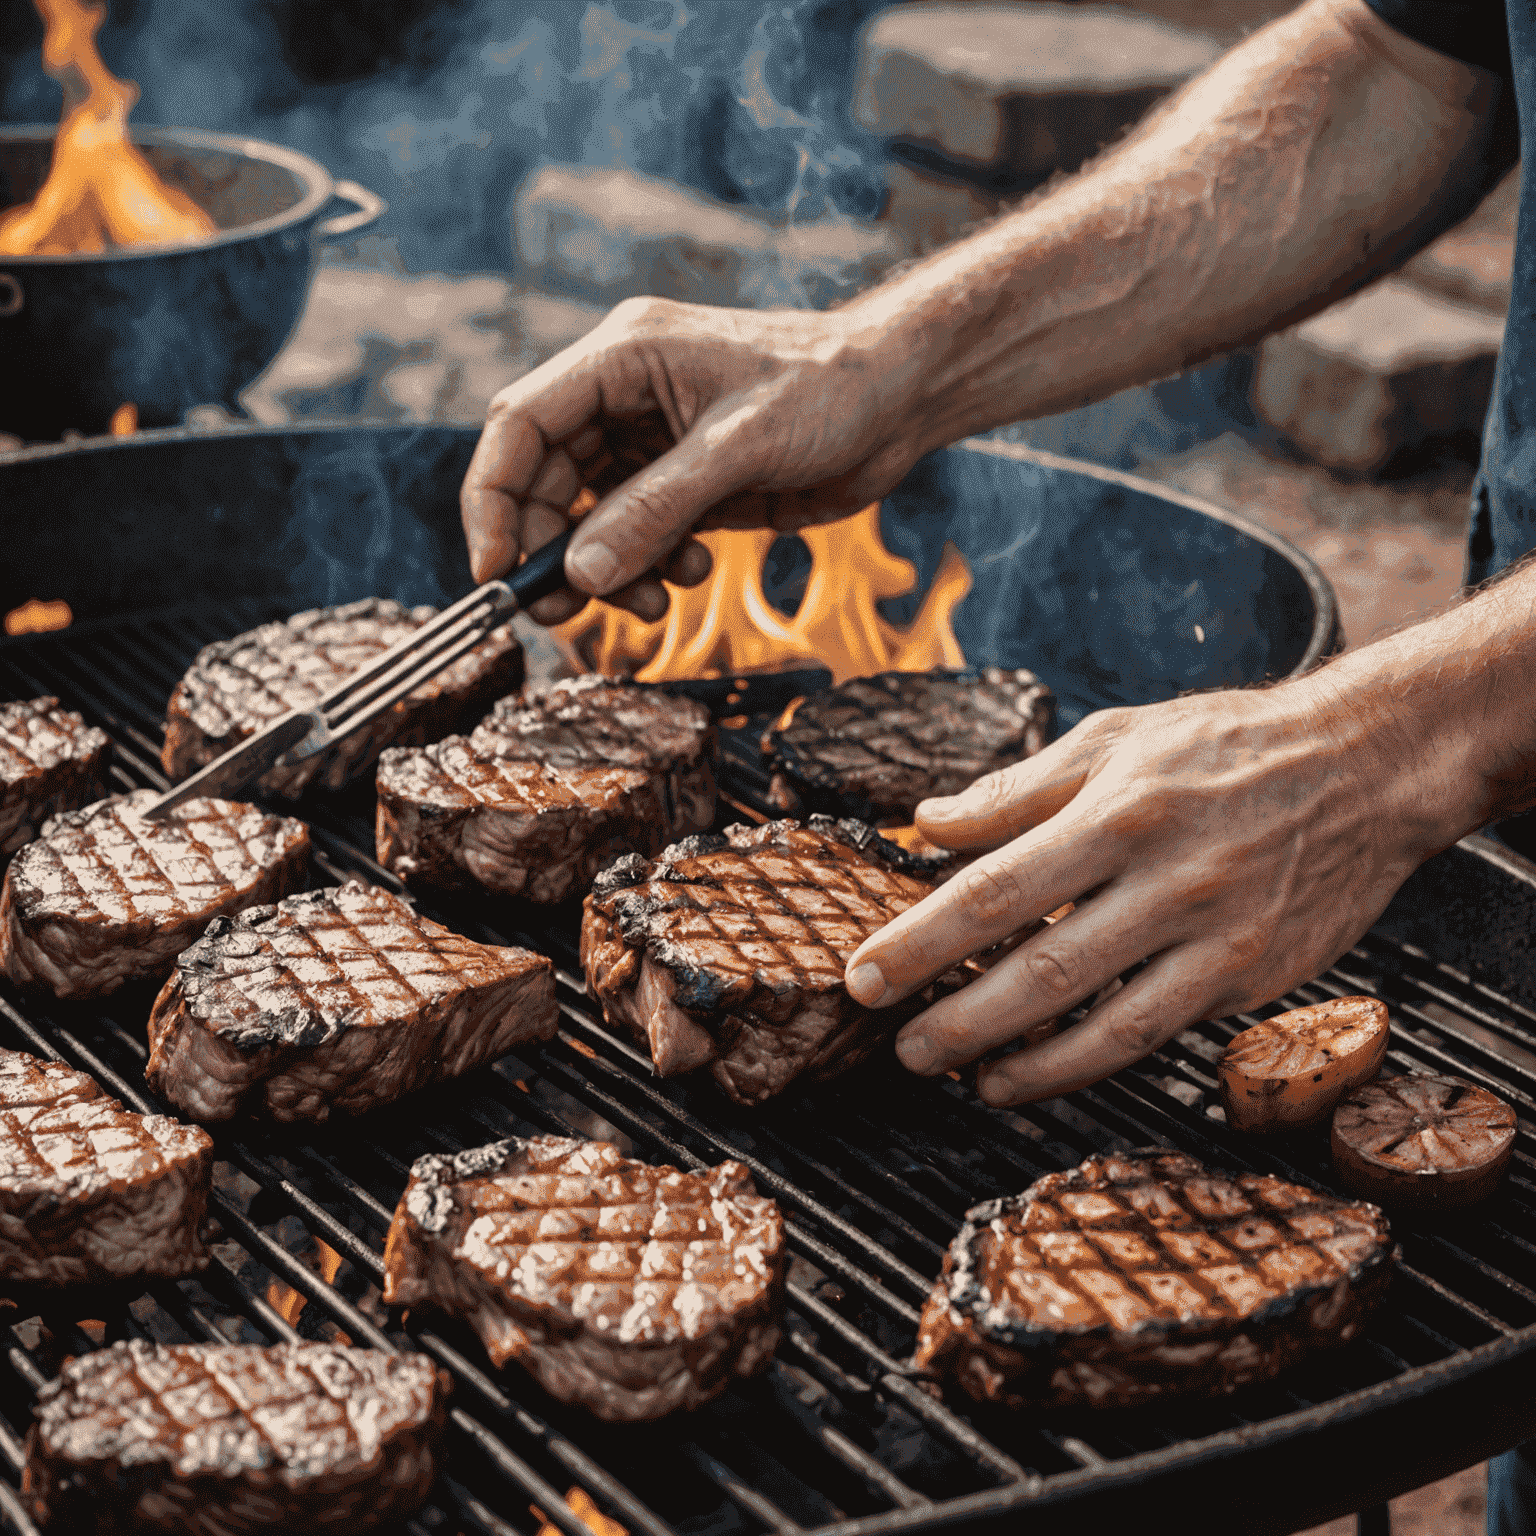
(125, 420)
(38, 618)
(286, 1301)
(726, 626)
(100, 190)
(582, 1506)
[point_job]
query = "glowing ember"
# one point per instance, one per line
(100, 190)
(286, 1301)
(581, 1505)
(727, 627)
(38, 618)
(125, 420)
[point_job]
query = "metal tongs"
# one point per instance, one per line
(390, 677)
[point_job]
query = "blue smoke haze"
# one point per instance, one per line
(445, 108)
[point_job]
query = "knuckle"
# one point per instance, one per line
(1053, 971)
(1136, 1030)
(989, 894)
(641, 313)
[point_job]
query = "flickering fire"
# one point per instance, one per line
(125, 420)
(582, 1506)
(726, 626)
(35, 617)
(286, 1301)
(101, 191)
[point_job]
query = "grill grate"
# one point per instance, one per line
(873, 1174)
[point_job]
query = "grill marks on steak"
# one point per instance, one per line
(104, 897)
(234, 1438)
(1145, 1275)
(235, 687)
(50, 761)
(89, 1191)
(874, 747)
(338, 999)
(729, 951)
(632, 1290)
(553, 785)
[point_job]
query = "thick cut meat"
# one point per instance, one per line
(338, 999)
(89, 1191)
(553, 785)
(1144, 1275)
(634, 1291)
(227, 1439)
(104, 897)
(873, 747)
(50, 761)
(235, 687)
(728, 951)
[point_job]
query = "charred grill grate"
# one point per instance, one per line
(873, 1174)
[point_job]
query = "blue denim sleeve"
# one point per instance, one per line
(1474, 31)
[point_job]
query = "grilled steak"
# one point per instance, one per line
(339, 999)
(728, 951)
(50, 761)
(225, 1439)
(634, 1291)
(104, 897)
(553, 785)
(874, 747)
(235, 687)
(1144, 1275)
(89, 1191)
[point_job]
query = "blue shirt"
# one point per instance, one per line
(1484, 33)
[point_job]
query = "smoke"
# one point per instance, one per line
(445, 109)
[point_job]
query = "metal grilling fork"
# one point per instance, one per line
(382, 683)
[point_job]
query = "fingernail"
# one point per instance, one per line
(915, 1052)
(994, 1090)
(593, 565)
(940, 806)
(866, 985)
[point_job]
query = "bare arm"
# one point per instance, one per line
(1238, 842)
(1315, 153)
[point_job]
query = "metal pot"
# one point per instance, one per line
(167, 326)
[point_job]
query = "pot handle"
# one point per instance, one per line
(370, 206)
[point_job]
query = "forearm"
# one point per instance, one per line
(1314, 154)
(1454, 698)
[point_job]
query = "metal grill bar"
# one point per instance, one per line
(872, 1199)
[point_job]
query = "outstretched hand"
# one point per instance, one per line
(673, 414)
(1236, 842)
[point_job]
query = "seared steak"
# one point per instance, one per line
(226, 1439)
(50, 761)
(553, 785)
(235, 687)
(1144, 1275)
(728, 951)
(874, 747)
(632, 1290)
(104, 897)
(339, 999)
(89, 1191)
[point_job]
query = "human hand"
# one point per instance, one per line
(673, 414)
(1237, 842)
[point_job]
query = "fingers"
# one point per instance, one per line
(982, 905)
(1174, 991)
(1049, 973)
(689, 564)
(644, 519)
(1001, 805)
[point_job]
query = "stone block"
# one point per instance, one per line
(609, 233)
(420, 348)
(1021, 89)
(1474, 263)
(930, 211)
(1380, 374)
